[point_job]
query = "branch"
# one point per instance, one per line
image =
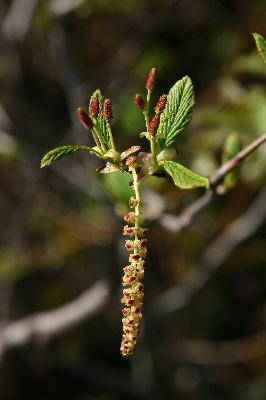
(184, 219)
(227, 352)
(213, 257)
(45, 325)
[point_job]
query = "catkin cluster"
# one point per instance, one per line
(133, 274)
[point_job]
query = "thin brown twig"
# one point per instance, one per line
(213, 257)
(219, 175)
(226, 352)
(184, 219)
(43, 326)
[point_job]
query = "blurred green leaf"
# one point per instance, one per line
(261, 45)
(232, 146)
(117, 185)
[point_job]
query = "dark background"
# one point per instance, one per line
(61, 226)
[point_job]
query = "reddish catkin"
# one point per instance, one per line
(154, 124)
(84, 118)
(150, 81)
(107, 110)
(161, 103)
(139, 102)
(94, 106)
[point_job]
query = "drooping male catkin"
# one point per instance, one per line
(133, 274)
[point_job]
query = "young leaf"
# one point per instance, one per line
(61, 152)
(184, 178)
(100, 122)
(261, 45)
(177, 113)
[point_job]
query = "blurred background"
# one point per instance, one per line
(61, 251)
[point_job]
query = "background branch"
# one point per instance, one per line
(184, 219)
(226, 352)
(43, 326)
(213, 257)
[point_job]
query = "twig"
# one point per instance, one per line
(18, 19)
(43, 326)
(219, 175)
(213, 257)
(183, 220)
(226, 352)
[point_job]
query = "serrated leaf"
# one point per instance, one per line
(61, 152)
(177, 113)
(183, 177)
(101, 124)
(261, 45)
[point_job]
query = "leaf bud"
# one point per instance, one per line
(150, 81)
(107, 110)
(94, 106)
(84, 118)
(139, 102)
(154, 124)
(160, 106)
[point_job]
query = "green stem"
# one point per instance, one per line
(153, 151)
(137, 196)
(146, 110)
(91, 150)
(111, 136)
(95, 137)
(101, 144)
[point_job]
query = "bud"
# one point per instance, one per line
(160, 106)
(107, 110)
(129, 217)
(154, 124)
(94, 106)
(84, 118)
(131, 161)
(133, 202)
(150, 81)
(139, 102)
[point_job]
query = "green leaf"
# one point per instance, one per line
(61, 152)
(101, 124)
(232, 146)
(184, 178)
(177, 113)
(261, 45)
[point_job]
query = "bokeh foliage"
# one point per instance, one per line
(61, 228)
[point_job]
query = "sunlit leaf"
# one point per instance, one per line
(183, 177)
(61, 152)
(177, 113)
